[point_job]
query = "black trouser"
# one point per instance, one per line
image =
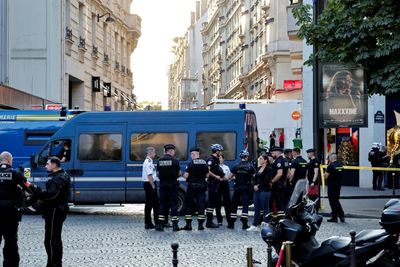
(223, 198)
(244, 193)
(168, 199)
(54, 219)
(377, 178)
(333, 196)
(151, 203)
(212, 196)
(195, 194)
(9, 232)
(277, 198)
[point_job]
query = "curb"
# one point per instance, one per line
(351, 215)
(367, 197)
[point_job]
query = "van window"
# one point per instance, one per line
(140, 141)
(55, 148)
(204, 140)
(100, 147)
(251, 133)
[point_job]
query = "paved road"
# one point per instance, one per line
(116, 237)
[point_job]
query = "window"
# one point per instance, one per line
(204, 140)
(81, 18)
(94, 21)
(105, 37)
(140, 141)
(55, 148)
(100, 147)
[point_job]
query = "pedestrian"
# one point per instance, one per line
(272, 137)
(280, 169)
(242, 173)
(375, 156)
(196, 174)
(65, 154)
(169, 171)
(55, 208)
(262, 190)
(298, 169)
(224, 194)
(334, 174)
(11, 182)
(313, 175)
(288, 155)
(281, 139)
(215, 175)
(149, 177)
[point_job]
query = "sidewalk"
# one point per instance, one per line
(354, 192)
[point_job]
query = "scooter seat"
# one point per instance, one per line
(331, 245)
(366, 236)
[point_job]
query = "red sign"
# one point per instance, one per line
(292, 84)
(36, 107)
(53, 107)
(296, 115)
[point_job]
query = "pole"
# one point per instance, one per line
(249, 256)
(269, 250)
(393, 187)
(353, 249)
(175, 247)
(288, 251)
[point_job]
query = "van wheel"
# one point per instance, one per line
(181, 202)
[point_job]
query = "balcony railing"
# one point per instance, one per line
(68, 34)
(95, 51)
(106, 59)
(82, 43)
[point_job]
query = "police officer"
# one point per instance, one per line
(280, 168)
(375, 156)
(11, 182)
(196, 174)
(313, 171)
(334, 174)
(215, 175)
(242, 173)
(168, 172)
(149, 177)
(55, 208)
(298, 169)
(288, 155)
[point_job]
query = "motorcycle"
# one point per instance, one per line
(300, 223)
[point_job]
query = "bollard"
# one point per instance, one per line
(288, 251)
(353, 249)
(393, 187)
(174, 247)
(269, 249)
(249, 256)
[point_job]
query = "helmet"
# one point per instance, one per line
(376, 145)
(217, 147)
(244, 154)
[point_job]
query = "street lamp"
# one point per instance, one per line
(108, 19)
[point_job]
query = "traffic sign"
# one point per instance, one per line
(296, 115)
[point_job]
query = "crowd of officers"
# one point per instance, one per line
(269, 182)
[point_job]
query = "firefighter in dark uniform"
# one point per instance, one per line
(215, 175)
(243, 173)
(196, 174)
(298, 169)
(334, 174)
(11, 182)
(168, 172)
(55, 208)
(280, 168)
(313, 172)
(288, 155)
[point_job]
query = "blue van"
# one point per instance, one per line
(108, 148)
(24, 132)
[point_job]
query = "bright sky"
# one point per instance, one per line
(162, 20)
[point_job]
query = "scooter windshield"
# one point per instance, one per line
(298, 192)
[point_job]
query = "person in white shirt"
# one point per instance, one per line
(149, 176)
(224, 196)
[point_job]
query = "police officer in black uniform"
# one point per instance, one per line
(215, 175)
(243, 172)
(168, 172)
(313, 172)
(280, 168)
(375, 156)
(288, 155)
(298, 169)
(11, 182)
(196, 174)
(334, 174)
(55, 208)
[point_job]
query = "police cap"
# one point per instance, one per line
(288, 150)
(296, 149)
(195, 149)
(169, 146)
(310, 150)
(277, 148)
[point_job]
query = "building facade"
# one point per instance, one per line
(74, 52)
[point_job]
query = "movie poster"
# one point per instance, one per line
(343, 97)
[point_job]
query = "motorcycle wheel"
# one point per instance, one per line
(383, 262)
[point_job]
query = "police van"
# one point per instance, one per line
(108, 148)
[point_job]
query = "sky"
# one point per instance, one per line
(162, 20)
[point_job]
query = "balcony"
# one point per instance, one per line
(134, 29)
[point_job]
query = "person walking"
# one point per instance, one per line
(262, 190)
(313, 175)
(272, 141)
(196, 174)
(224, 194)
(11, 182)
(55, 208)
(280, 168)
(242, 174)
(168, 172)
(375, 156)
(334, 174)
(149, 177)
(281, 139)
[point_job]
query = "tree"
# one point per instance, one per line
(362, 32)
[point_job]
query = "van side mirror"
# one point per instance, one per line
(33, 161)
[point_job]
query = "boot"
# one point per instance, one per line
(231, 224)
(200, 227)
(244, 223)
(209, 223)
(175, 226)
(160, 227)
(188, 226)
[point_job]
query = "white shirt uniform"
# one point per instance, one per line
(149, 169)
(225, 169)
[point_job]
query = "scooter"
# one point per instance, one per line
(300, 223)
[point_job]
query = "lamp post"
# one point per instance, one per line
(108, 19)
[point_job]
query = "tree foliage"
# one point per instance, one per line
(362, 32)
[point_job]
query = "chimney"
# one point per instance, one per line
(192, 18)
(198, 15)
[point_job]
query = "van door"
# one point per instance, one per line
(100, 174)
